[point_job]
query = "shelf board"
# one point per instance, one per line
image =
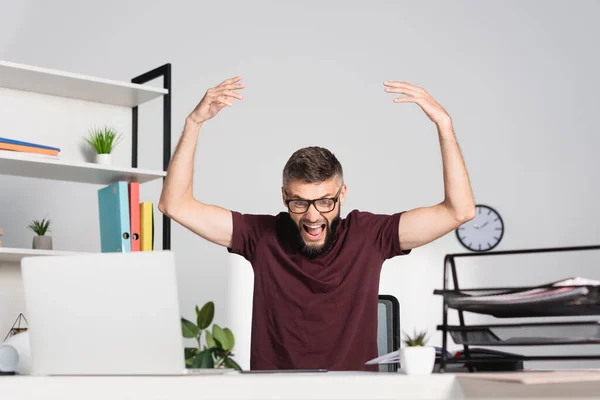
(24, 165)
(8, 254)
(75, 86)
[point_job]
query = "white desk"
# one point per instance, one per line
(327, 386)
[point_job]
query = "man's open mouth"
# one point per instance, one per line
(314, 231)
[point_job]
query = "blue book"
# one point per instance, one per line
(113, 210)
(18, 142)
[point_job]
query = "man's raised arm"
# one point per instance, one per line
(425, 224)
(177, 201)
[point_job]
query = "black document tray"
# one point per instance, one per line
(551, 333)
(545, 301)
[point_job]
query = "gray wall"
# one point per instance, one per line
(519, 79)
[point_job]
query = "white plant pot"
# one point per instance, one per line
(42, 242)
(104, 159)
(417, 360)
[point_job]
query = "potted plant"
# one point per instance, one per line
(40, 228)
(103, 141)
(214, 347)
(416, 358)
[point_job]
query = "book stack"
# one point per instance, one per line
(28, 148)
(126, 224)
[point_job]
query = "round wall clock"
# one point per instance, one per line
(482, 233)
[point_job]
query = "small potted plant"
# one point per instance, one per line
(40, 228)
(216, 350)
(103, 141)
(416, 358)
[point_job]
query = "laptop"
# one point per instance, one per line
(104, 314)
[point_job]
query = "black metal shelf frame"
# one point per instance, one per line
(163, 71)
(450, 267)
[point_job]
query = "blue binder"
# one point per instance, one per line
(113, 207)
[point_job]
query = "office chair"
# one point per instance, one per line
(388, 328)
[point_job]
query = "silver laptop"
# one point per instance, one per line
(104, 314)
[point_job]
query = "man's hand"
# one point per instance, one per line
(414, 94)
(216, 99)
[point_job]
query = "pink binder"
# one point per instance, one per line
(134, 215)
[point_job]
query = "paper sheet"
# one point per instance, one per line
(390, 358)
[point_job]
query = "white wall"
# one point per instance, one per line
(518, 77)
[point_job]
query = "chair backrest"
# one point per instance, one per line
(388, 328)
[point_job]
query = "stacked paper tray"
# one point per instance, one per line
(550, 333)
(527, 302)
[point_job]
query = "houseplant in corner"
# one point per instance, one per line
(40, 228)
(215, 345)
(103, 141)
(416, 358)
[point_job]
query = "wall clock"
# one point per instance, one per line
(482, 233)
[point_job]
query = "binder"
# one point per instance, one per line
(134, 215)
(113, 207)
(146, 226)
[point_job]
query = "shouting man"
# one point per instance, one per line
(316, 275)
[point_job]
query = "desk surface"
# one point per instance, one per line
(329, 386)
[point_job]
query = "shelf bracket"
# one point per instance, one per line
(165, 72)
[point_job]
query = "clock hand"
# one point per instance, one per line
(485, 224)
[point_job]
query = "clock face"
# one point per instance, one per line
(483, 232)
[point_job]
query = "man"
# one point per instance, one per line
(316, 276)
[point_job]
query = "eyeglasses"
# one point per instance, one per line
(321, 205)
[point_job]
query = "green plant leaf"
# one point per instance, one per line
(230, 339)
(418, 339)
(189, 329)
(204, 359)
(39, 227)
(103, 140)
(229, 362)
(205, 315)
(219, 352)
(221, 337)
(210, 342)
(190, 352)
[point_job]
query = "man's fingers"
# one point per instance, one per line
(219, 90)
(403, 90)
(231, 86)
(399, 84)
(230, 80)
(223, 99)
(212, 95)
(219, 98)
(396, 84)
(229, 93)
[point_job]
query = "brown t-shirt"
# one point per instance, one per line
(320, 312)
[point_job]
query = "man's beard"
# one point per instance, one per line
(315, 251)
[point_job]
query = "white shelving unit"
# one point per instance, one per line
(24, 165)
(75, 86)
(56, 83)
